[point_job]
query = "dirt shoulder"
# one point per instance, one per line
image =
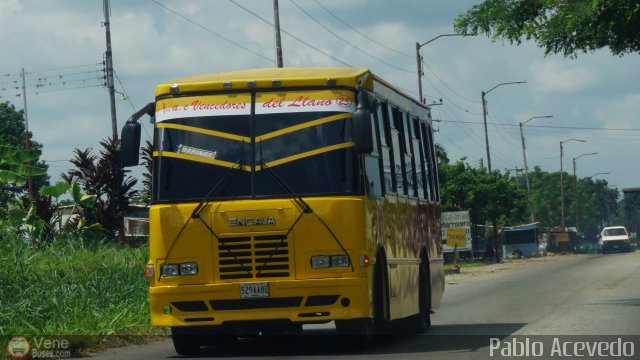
(506, 265)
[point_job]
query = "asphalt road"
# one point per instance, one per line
(537, 305)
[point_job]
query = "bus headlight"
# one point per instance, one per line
(170, 270)
(340, 261)
(188, 269)
(326, 261)
(183, 269)
(321, 261)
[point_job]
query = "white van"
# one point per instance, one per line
(614, 238)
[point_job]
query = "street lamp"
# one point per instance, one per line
(419, 58)
(575, 184)
(596, 174)
(484, 116)
(574, 164)
(524, 155)
(561, 184)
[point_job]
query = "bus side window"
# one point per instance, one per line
(372, 176)
(409, 164)
(398, 152)
(418, 158)
(383, 148)
(434, 165)
(373, 164)
(392, 171)
(426, 145)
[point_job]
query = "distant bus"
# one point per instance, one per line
(284, 197)
(522, 241)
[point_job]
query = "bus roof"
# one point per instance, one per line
(270, 78)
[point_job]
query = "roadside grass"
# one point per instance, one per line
(69, 288)
(465, 264)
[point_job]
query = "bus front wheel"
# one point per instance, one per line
(357, 332)
(185, 341)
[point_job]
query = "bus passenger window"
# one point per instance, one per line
(426, 161)
(398, 152)
(390, 167)
(372, 177)
(408, 155)
(417, 159)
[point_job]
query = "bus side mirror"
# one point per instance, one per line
(362, 130)
(130, 144)
(130, 136)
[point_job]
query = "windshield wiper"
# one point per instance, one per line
(195, 214)
(306, 209)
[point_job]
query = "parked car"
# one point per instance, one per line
(614, 238)
(584, 246)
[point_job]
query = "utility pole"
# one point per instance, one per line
(109, 64)
(526, 169)
(484, 116)
(26, 130)
(276, 15)
(561, 182)
(418, 59)
(575, 187)
(486, 132)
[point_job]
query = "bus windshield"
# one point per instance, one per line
(253, 143)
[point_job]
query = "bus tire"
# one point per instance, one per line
(185, 341)
(358, 333)
(421, 321)
(381, 324)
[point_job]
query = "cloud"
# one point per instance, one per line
(552, 76)
(622, 113)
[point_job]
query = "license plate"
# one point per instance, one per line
(254, 290)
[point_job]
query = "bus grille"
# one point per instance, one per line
(253, 257)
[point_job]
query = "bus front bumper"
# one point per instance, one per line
(297, 301)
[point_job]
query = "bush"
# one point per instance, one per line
(70, 288)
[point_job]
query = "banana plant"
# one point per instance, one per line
(79, 200)
(24, 217)
(14, 165)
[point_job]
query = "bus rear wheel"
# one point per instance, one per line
(422, 320)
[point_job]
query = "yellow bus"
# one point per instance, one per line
(284, 197)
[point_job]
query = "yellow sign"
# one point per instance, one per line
(456, 237)
(562, 237)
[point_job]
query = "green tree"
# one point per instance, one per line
(12, 134)
(558, 26)
(488, 196)
(545, 194)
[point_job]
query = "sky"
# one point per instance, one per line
(60, 45)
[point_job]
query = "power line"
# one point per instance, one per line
(128, 98)
(546, 126)
(62, 68)
(362, 34)
(450, 101)
(289, 34)
(348, 43)
(71, 88)
(447, 86)
(212, 32)
(455, 143)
